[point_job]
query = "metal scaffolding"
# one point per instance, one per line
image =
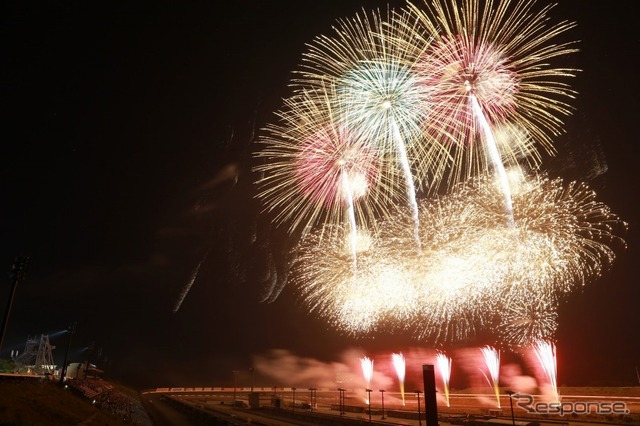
(37, 356)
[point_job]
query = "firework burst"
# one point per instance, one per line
(378, 292)
(378, 95)
(498, 54)
(315, 170)
(488, 68)
(527, 318)
(562, 239)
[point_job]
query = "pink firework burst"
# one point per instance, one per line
(500, 56)
(456, 66)
(333, 167)
(313, 170)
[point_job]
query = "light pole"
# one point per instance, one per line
(369, 399)
(251, 371)
(235, 384)
(419, 413)
(341, 390)
(313, 396)
(510, 393)
(382, 393)
(293, 407)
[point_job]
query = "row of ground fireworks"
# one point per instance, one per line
(409, 157)
(544, 352)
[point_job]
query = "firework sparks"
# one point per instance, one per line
(400, 366)
(527, 318)
(546, 353)
(378, 95)
(562, 239)
(444, 367)
(187, 287)
(367, 371)
(358, 303)
(315, 170)
(490, 65)
(492, 360)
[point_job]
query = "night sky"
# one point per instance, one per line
(126, 163)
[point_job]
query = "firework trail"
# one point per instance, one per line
(494, 155)
(353, 238)
(400, 366)
(444, 367)
(378, 95)
(367, 370)
(562, 239)
(492, 360)
(187, 287)
(546, 353)
(489, 67)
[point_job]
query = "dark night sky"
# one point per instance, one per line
(125, 126)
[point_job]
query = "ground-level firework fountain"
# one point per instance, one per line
(546, 354)
(492, 361)
(400, 367)
(444, 367)
(367, 371)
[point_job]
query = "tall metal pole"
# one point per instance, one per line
(430, 402)
(369, 399)
(17, 274)
(382, 392)
(419, 414)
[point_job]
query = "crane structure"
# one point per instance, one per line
(37, 356)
